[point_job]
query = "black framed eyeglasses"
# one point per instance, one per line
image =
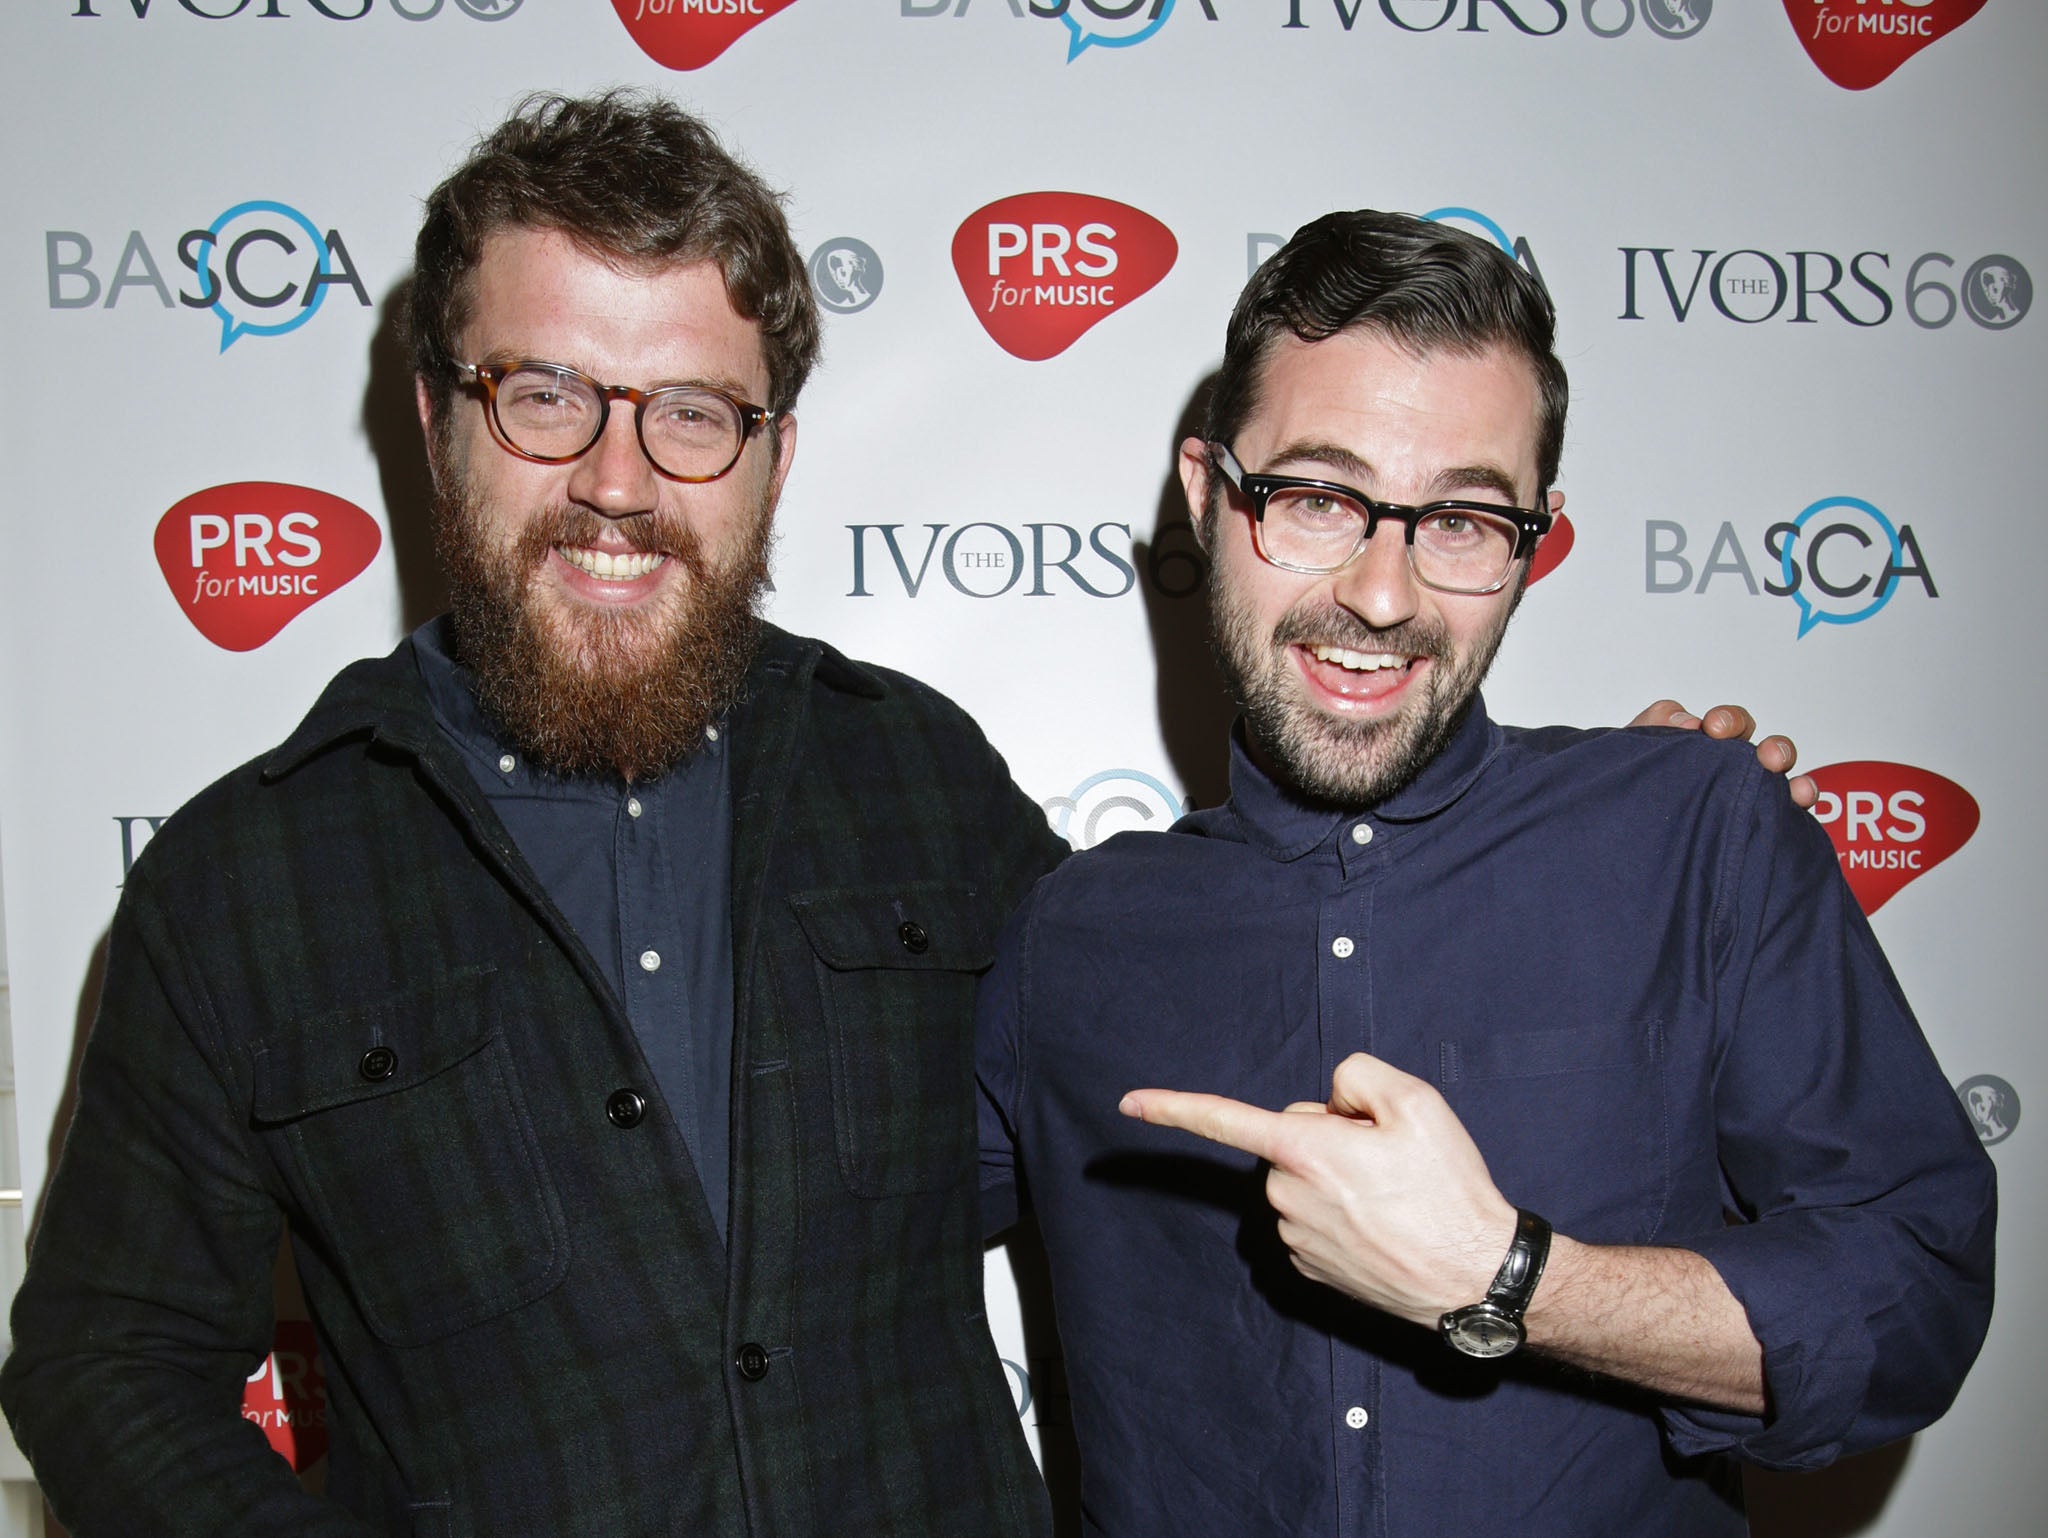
(1319, 527)
(552, 413)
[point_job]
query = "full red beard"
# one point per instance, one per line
(581, 689)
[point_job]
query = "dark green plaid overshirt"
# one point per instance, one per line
(336, 999)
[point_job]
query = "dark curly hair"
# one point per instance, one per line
(1425, 285)
(632, 178)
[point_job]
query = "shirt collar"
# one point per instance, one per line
(1287, 826)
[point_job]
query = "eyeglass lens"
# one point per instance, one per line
(553, 414)
(1457, 548)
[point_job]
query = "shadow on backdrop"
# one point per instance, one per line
(1836, 1502)
(391, 425)
(1194, 710)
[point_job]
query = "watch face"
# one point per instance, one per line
(1482, 1330)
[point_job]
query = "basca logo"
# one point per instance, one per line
(261, 268)
(689, 34)
(1112, 802)
(245, 560)
(1531, 18)
(287, 1396)
(1749, 287)
(1858, 43)
(1040, 268)
(1993, 1106)
(1088, 23)
(285, 10)
(1840, 561)
(846, 274)
(1890, 824)
(136, 831)
(989, 560)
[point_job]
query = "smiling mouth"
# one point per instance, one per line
(1358, 661)
(625, 566)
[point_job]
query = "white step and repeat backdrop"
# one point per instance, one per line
(1792, 242)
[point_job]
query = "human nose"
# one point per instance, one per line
(615, 477)
(1379, 585)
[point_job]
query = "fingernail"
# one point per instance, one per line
(1129, 1106)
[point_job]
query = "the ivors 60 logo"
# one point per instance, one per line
(689, 34)
(1858, 43)
(244, 560)
(1891, 823)
(1040, 268)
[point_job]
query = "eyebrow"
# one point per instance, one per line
(1445, 484)
(720, 382)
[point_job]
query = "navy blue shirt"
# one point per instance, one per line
(1631, 966)
(643, 874)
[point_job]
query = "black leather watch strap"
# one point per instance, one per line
(1515, 1283)
(1492, 1327)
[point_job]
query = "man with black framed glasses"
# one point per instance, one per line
(1582, 1043)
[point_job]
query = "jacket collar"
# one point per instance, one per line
(1287, 826)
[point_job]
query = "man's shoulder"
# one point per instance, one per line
(369, 696)
(1659, 759)
(869, 709)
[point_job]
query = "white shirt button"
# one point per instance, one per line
(1341, 947)
(507, 764)
(1361, 833)
(711, 732)
(632, 806)
(1355, 1417)
(650, 961)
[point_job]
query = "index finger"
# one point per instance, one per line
(1221, 1120)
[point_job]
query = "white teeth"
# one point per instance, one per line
(624, 567)
(1359, 662)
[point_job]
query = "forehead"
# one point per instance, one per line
(537, 294)
(1403, 412)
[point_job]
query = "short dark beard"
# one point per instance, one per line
(600, 703)
(1328, 760)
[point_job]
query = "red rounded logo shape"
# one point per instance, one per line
(287, 1396)
(246, 559)
(689, 34)
(1891, 823)
(1040, 268)
(1858, 43)
(1557, 544)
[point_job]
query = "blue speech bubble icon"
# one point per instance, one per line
(1811, 580)
(1488, 227)
(1084, 38)
(226, 281)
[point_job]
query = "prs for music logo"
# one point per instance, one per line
(1041, 268)
(246, 559)
(1858, 43)
(689, 34)
(1891, 824)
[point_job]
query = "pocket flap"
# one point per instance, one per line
(935, 924)
(372, 1049)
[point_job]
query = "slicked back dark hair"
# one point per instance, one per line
(633, 179)
(1427, 286)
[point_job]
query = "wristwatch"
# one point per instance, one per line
(1493, 1326)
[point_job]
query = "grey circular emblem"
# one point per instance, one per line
(847, 274)
(489, 10)
(1994, 1107)
(1677, 18)
(1997, 292)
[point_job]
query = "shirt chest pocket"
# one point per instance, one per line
(401, 1128)
(896, 969)
(1573, 1123)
